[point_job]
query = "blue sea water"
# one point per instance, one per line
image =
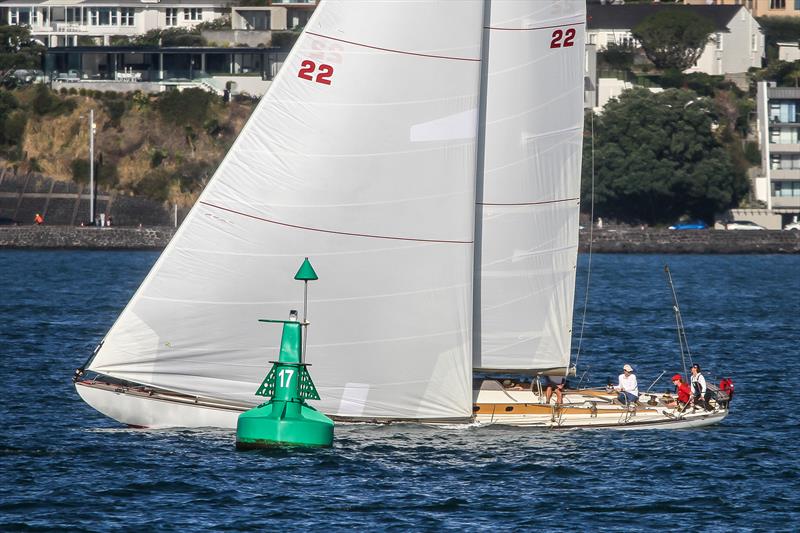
(65, 466)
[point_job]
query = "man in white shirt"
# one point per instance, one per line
(699, 387)
(628, 387)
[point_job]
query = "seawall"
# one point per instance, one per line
(603, 241)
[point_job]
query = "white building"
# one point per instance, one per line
(71, 22)
(736, 45)
(779, 138)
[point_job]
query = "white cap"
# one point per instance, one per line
(629, 368)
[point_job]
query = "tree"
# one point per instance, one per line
(656, 159)
(673, 37)
(17, 50)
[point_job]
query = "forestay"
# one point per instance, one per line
(361, 156)
(528, 193)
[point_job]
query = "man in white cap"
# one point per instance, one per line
(628, 387)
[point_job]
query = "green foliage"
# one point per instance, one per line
(218, 24)
(752, 153)
(17, 50)
(783, 73)
(190, 107)
(157, 157)
(46, 102)
(14, 127)
(34, 165)
(155, 185)
(170, 37)
(284, 39)
(8, 103)
(673, 38)
(80, 170)
(193, 175)
(115, 108)
(618, 56)
(779, 29)
(656, 159)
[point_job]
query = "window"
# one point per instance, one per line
(126, 16)
(777, 4)
(20, 16)
(103, 16)
(13, 16)
(194, 13)
(783, 136)
(754, 41)
(718, 40)
(172, 16)
(786, 188)
(73, 14)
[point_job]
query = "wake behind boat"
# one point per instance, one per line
(433, 176)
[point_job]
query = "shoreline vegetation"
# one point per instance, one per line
(623, 240)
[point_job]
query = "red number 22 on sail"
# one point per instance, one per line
(568, 36)
(324, 72)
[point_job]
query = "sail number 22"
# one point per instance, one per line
(563, 38)
(323, 72)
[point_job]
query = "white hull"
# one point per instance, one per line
(141, 407)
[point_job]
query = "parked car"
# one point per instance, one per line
(690, 224)
(743, 224)
(793, 225)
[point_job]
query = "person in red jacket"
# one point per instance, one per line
(38, 219)
(683, 391)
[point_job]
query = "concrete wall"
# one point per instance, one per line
(604, 241)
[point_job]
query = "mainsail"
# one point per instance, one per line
(361, 156)
(528, 187)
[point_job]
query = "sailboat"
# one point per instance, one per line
(426, 155)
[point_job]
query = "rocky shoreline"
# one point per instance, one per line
(623, 240)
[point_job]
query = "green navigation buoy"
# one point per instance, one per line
(286, 418)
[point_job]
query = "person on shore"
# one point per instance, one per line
(554, 383)
(38, 219)
(699, 387)
(683, 391)
(627, 386)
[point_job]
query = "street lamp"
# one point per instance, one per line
(92, 129)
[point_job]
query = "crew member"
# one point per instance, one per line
(699, 388)
(683, 391)
(38, 219)
(556, 382)
(627, 387)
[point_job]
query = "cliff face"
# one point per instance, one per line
(163, 147)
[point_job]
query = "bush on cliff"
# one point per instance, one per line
(188, 107)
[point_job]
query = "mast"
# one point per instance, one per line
(481, 149)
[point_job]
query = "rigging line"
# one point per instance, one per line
(589, 265)
(404, 52)
(334, 232)
(529, 203)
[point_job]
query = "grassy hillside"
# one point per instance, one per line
(162, 146)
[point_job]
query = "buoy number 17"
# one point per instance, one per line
(285, 373)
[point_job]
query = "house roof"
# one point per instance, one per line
(625, 17)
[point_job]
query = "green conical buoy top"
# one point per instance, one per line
(306, 272)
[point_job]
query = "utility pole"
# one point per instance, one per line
(91, 166)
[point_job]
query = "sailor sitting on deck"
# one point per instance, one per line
(556, 382)
(628, 387)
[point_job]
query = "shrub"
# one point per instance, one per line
(155, 185)
(185, 108)
(157, 157)
(14, 127)
(115, 110)
(752, 153)
(284, 39)
(80, 170)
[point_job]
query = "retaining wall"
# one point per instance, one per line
(604, 241)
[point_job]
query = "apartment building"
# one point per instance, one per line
(56, 23)
(779, 138)
(759, 8)
(736, 45)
